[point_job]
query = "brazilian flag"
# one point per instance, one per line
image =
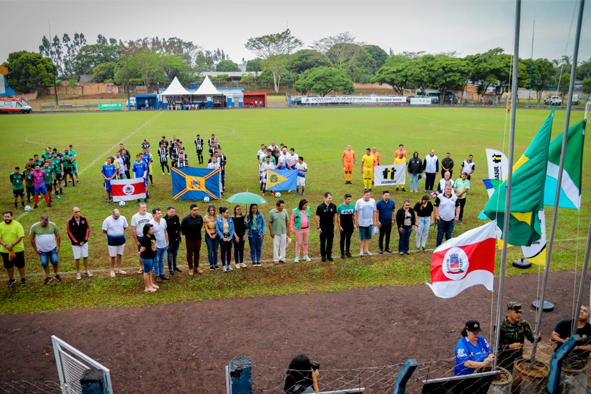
(195, 183)
(527, 193)
(282, 180)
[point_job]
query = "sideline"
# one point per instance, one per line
(106, 152)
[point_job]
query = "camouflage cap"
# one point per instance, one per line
(513, 306)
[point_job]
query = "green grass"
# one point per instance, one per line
(319, 134)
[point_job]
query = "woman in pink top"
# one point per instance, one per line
(300, 219)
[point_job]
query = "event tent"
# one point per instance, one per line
(176, 89)
(207, 91)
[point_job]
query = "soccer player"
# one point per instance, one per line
(46, 154)
(147, 157)
(302, 168)
(182, 159)
(145, 144)
(214, 165)
(36, 160)
(199, 148)
(78, 231)
(109, 172)
(29, 182)
(267, 165)
(367, 163)
(74, 164)
(120, 164)
(18, 189)
(348, 158)
(211, 141)
(163, 143)
(48, 180)
(401, 159)
(291, 159)
(140, 170)
(163, 153)
(58, 169)
(67, 168)
(38, 178)
(376, 154)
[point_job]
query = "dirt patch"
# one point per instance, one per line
(187, 345)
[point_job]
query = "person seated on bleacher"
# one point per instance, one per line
(302, 376)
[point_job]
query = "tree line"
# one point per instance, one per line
(330, 64)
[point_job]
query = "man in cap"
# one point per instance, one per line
(514, 330)
(578, 357)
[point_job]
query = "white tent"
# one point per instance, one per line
(207, 89)
(176, 89)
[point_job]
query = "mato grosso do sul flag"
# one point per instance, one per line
(128, 189)
(190, 183)
(570, 192)
(527, 195)
(464, 261)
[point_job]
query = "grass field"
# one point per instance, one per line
(318, 134)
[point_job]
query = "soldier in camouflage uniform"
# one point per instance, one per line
(514, 330)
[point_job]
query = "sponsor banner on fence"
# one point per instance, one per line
(394, 174)
(110, 106)
(352, 100)
(420, 101)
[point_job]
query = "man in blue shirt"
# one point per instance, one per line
(140, 170)
(386, 209)
(109, 171)
(147, 156)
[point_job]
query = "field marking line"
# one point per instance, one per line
(102, 155)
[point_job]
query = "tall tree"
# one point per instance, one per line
(486, 69)
(227, 66)
(323, 80)
(378, 54)
(441, 72)
(542, 76)
(564, 84)
(396, 72)
(305, 59)
(28, 71)
(343, 47)
(90, 56)
(104, 72)
(254, 65)
(272, 48)
(587, 88)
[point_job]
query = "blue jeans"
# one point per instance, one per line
(404, 239)
(148, 265)
(414, 178)
(226, 251)
(173, 251)
(45, 257)
(423, 230)
(212, 250)
(256, 244)
(122, 176)
(444, 227)
(159, 261)
(239, 251)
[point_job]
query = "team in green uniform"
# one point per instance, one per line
(29, 183)
(48, 180)
(67, 163)
(57, 168)
(18, 188)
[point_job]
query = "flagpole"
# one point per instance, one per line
(559, 182)
(507, 211)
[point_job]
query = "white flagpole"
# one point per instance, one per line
(559, 184)
(507, 211)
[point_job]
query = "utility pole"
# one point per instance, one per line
(52, 66)
(126, 51)
(531, 63)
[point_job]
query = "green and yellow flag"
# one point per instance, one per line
(527, 193)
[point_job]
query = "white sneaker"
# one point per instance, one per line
(163, 174)
(361, 254)
(230, 268)
(78, 277)
(238, 266)
(224, 268)
(243, 265)
(89, 274)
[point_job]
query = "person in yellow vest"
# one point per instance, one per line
(367, 164)
(401, 159)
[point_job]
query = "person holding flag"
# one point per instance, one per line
(109, 172)
(147, 157)
(447, 209)
(367, 163)
(140, 170)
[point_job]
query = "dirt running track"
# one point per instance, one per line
(182, 348)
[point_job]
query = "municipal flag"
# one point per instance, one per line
(394, 174)
(527, 199)
(570, 192)
(195, 183)
(464, 261)
(128, 189)
(282, 180)
(498, 164)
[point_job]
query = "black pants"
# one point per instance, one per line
(127, 174)
(326, 238)
(200, 156)
(462, 204)
(164, 164)
(385, 230)
(430, 181)
(346, 240)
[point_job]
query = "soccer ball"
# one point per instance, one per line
(277, 194)
(206, 199)
(27, 208)
(121, 203)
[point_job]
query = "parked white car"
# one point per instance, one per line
(553, 100)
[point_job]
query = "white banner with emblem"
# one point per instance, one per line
(420, 101)
(352, 100)
(394, 174)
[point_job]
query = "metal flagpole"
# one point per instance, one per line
(531, 63)
(559, 184)
(507, 211)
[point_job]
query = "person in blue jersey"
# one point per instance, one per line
(109, 172)
(147, 157)
(472, 351)
(140, 170)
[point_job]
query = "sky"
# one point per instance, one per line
(466, 27)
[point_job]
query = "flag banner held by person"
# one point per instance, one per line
(527, 199)
(570, 192)
(195, 183)
(128, 189)
(394, 174)
(498, 164)
(282, 180)
(464, 261)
